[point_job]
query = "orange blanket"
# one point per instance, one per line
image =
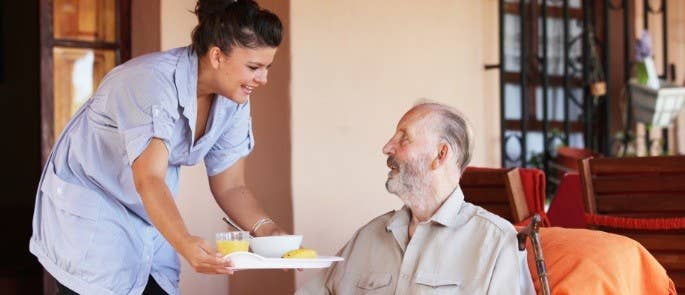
(581, 261)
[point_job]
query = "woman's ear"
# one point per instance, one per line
(215, 56)
(443, 150)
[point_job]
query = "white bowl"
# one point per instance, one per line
(275, 246)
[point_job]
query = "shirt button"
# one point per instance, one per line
(59, 190)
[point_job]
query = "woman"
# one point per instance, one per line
(105, 220)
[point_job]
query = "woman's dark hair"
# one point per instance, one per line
(227, 23)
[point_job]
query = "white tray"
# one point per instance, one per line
(247, 260)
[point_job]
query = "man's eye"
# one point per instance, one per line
(253, 68)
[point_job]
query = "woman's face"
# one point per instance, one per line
(237, 75)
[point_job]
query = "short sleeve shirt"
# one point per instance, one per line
(90, 229)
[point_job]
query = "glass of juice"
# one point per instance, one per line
(234, 241)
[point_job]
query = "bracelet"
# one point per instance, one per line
(259, 224)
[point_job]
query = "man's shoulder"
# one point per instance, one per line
(489, 219)
(374, 227)
(380, 221)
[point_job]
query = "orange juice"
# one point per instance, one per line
(227, 247)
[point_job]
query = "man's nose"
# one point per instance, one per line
(389, 148)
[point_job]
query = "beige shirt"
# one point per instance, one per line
(462, 249)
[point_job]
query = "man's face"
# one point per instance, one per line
(409, 156)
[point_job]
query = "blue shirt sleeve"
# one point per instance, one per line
(236, 142)
(144, 107)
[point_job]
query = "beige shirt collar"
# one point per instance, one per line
(447, 215)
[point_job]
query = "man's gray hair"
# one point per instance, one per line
(455, 129)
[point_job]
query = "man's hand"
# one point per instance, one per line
(203, 258)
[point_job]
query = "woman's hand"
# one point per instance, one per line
(203, 258)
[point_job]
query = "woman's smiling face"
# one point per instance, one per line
(238, 74)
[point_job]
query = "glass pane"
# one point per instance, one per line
(85, 20)
(512, 43)
(555, 104)
(512, 148)
(512, 102)
(77, 73)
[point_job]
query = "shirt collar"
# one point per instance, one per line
(186, 82)
(446, 215)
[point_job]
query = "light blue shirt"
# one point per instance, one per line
(90, 229)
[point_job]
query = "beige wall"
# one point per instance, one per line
(145, 21)
(357, 66)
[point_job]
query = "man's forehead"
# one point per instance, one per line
(413, 116)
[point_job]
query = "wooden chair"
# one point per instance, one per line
(498, 190)
(641, 198)
(567, 161)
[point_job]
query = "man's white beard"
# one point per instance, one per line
(413, 184)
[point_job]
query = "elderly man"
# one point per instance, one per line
(437, 243)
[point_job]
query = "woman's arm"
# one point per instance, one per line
(236, 200)
(149, 173)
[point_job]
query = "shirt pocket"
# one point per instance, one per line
(71, 222)
(71, 198)
(374, 283)
(436, 284)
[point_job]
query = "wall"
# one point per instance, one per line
(357, 66)
(145, 22)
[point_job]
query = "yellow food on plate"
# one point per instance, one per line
(300, 253)
(228, 247)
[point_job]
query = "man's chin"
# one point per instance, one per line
(390, 187)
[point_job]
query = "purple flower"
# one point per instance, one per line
(643, 46)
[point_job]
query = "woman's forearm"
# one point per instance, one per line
(242, 206)
(162, 210)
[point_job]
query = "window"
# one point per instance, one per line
(81, 40)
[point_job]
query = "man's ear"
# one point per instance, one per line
(215, 56)
(443, 152)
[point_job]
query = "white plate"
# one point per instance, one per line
(247, 260)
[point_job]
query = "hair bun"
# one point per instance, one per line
(206, 8)
(225, 23)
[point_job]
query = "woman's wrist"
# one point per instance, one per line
(269, 229)
(261, 222)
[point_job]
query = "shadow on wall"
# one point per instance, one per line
(269, 167)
